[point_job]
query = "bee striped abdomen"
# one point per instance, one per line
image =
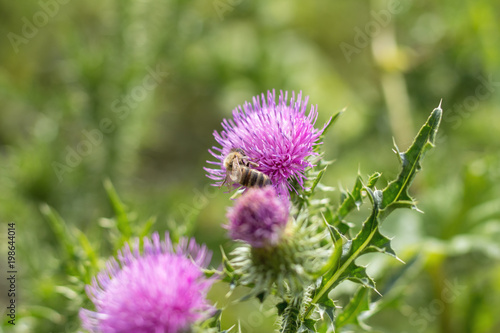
(254, 177)
(266, 181)
(251, 178)
(263, 180)
(245, 176)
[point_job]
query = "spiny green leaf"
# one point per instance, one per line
(214, 321)
(317, 179)
(372, 180)
(308, 325)
(354, 198)
(359, 303)
(369, 238)
(380, 243)
(122, 220)
(226, 262)
(396, 191)
(326, 306)
(313, 178)
(331, 219)
(353, 249)
(358, 274)
(364, 237)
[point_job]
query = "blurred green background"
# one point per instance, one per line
(132, 91)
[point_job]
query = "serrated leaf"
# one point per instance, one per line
(397, 190)
(359, 303)
(353, 199)
(358, 274)
(369, 238)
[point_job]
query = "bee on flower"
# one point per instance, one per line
(278, 137)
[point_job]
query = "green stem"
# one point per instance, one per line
(338, 273)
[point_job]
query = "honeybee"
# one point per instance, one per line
(238, 170)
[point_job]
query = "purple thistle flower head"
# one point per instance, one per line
(160, 290)
(259, 217)
(277, 137)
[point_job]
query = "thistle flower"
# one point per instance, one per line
(279, 137)
(259, 217)
(161, 290)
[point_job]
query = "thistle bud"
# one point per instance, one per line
(277, 251)
(259, 217)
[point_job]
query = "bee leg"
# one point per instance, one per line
(253, 164)
(242, 161)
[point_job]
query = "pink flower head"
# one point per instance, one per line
(259, 217)
(161, 290)
(278, 137)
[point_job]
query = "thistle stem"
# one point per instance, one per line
(291, 318)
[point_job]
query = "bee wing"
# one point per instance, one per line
(236, 172)
(235, 175)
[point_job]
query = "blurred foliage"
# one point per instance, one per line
(80, 67)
